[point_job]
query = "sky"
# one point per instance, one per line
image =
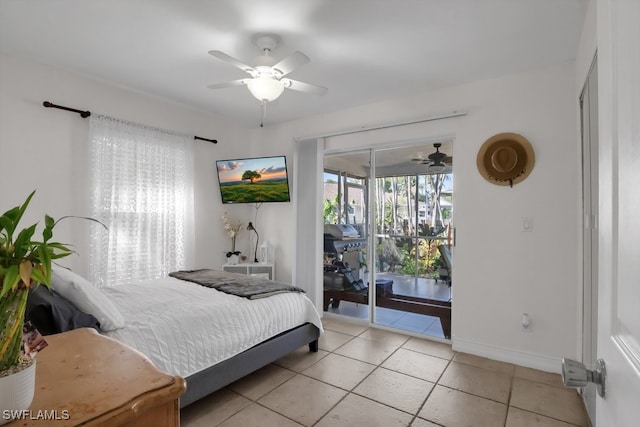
(268, 167)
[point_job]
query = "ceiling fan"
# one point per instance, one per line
(267, 78)
(436, 162)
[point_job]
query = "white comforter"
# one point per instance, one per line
(184, 327)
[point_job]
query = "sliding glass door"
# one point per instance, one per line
(389, 221)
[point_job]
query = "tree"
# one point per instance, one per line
(409, 184)
(330, 210)
(251, 175)
(436, 182)
(383, 186)
(394, 205)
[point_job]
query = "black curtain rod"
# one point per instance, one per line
(215, 141)
(85, 114)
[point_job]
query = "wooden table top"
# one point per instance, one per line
(91, 379)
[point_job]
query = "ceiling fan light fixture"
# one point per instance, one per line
(265, 88)
(437, 168)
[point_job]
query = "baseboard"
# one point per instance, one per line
(517, 357)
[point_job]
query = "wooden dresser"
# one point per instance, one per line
(84, 378)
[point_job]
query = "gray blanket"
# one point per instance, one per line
(235, 283)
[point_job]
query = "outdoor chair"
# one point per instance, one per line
(445, 269)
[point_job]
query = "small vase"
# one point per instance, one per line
(233, 259)
(16, 391)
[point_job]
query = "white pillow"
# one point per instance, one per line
(86, 297)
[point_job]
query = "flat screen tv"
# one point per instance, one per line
(253, 180)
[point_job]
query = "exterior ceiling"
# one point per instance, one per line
(364, 51)
(396, 161)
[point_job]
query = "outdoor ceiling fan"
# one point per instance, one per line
(267, 78)
(436, 162)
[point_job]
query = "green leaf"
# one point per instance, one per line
(83, 217)
(59, 246)
(38, 277)
(49, 223)
(23, 241)
(58, 250)
(45, 261)
(14, 215)
(6, 223)
(24, 207)
(11, 279)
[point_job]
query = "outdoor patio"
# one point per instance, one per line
(411, 322)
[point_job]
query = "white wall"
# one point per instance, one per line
(46, 149)
(500, 271)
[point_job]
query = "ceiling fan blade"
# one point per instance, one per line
(304, 87)
(290, 63)
(228, 84)
(226, 58)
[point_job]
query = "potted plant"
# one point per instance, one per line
(232, 231)
(25, 261)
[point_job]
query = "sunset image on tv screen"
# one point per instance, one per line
(255, 180)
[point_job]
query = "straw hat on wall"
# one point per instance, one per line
(506, 159)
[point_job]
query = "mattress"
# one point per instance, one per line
(184, 327)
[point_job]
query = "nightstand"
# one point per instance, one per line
(263, 269)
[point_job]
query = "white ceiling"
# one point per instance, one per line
(364, 51)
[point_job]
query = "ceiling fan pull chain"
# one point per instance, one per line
(263, 113)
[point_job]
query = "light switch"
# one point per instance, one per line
(527, 224)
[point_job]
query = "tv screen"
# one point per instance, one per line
(254, 180)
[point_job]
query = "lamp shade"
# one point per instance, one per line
(265, 88)
(437, 168)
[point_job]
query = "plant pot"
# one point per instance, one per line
(16, 391)
(233, 259)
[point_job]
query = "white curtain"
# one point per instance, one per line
(142, 189)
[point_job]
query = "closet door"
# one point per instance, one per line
(589, 110)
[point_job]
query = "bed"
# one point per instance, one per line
(208, 337)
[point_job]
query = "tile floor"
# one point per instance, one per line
(370, 377)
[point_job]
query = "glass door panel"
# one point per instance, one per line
(345, 234)
(412, 229)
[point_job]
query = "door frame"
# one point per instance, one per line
(427, 141)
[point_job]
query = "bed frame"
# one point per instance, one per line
(224, 373)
